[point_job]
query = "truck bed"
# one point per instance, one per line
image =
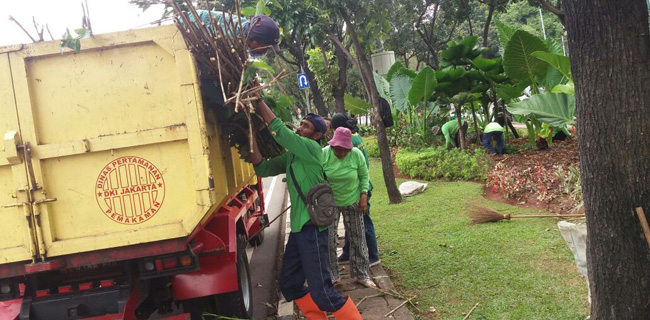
(107, 147)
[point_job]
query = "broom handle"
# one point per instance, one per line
(644, 224)
(548, 216)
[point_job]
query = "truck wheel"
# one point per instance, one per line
(239, 303)
(258, 238)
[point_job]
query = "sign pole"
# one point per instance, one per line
(302, 71)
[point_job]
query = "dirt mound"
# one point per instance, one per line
(561, 153)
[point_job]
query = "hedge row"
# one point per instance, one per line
(440, 163)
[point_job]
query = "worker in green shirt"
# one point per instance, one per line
(347, 173)
(493, 129)
(342, 120)
(306, 252)
(449, 130)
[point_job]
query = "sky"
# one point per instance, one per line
(105, 16)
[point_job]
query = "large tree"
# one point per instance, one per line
(492, 6)
(297, 20)
(366, 24)
(609, 43)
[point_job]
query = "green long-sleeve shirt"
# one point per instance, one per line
(348, 176)
(449, 130)
(307, 165)
(357, 142)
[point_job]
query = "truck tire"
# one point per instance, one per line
(259, 237)
(239, 303)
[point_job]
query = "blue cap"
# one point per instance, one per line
(317, 121)
(264, 30)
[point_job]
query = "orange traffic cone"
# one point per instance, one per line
(309, 308)
(349, 311)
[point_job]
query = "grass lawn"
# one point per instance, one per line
(519, 269)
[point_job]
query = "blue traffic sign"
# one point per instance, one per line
(303, 82)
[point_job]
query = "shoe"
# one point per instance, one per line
(367, 283)
(349, 311)
(374, 263)
(309, 308)
(343, 258)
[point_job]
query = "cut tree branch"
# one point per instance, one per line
(21, 27)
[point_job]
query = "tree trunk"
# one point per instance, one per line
(394, 195)
(479, 135)
(316, 93)
(339, 88)
(608, 37)
(486, 28)
(461, 131)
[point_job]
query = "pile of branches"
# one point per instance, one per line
(221, 50)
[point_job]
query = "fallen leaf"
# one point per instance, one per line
(432, 309)
(259, 285)
(268, 305)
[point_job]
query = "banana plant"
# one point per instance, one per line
(411, 95)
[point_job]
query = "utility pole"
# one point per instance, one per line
(541, 18)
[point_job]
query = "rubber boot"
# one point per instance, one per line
(349, 311)
(309, 308)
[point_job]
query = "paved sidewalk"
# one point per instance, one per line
(374, 306)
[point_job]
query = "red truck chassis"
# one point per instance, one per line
(182, 278)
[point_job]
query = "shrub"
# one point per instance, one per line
(366, 130)
(437, 163)
(570, 182)
(371, 146)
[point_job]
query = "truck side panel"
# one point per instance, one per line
(16, 239)
(120, 152)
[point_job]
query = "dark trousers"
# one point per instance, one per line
(371, 237)
(488, 144)
(306, 258)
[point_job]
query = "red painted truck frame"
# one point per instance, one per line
(213, 246)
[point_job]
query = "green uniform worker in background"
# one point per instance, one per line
(450, 129)
(493, 129)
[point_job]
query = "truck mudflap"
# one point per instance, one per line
(9, 310)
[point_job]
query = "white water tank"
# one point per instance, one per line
(382, 61)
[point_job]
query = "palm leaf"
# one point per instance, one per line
(399, 90)
(517, 60)
(556, 109)
(554, 46)
(355, 105)
(559, 62)
(504, 32)
(382, 86)
(423, 86)
(568, 88)
(393, 69)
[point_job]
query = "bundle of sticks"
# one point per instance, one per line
(221, 49)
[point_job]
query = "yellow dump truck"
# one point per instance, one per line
(119, 196)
